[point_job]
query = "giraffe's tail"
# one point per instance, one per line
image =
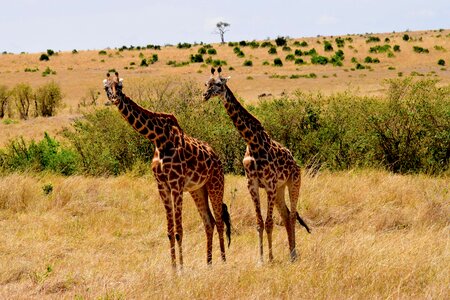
(226, 219)
(300, 220)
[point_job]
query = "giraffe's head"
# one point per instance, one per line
(215, 86)
(113, 87)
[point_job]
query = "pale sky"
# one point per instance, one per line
(38, 25)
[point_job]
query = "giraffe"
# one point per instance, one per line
(180, 163)
(267, 165)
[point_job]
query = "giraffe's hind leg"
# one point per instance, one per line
(200, 197)
(294, 193)
(284, 213)
(215, 189)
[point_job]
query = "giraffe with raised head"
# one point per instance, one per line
(180, 164)
(267, 165)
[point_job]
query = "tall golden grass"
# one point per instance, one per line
(375, 235)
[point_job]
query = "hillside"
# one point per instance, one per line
(81, 71)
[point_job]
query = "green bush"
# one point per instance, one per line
(299, 61)
(406, 37)
(102, 52)
(441, 62)
(286, 48)
(184, 45)
(340, 42)
(419, 49)
(372, 39)
(47, 99)
(280, 41)
(22, 95)
(318, 59)
(196, 58)
(212, 51)
(44, 57)
(396, 48)
(201, 50)
(290, 57)
(47, 155)
(247, 63)
(266, 44)
(380, 49)
(5, 95)
(272, 50)
(50, 52)
(254, 44)
(327, 46)
(277, 62)
(298, 52)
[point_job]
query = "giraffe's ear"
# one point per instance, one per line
(213, 71)
(219, 70)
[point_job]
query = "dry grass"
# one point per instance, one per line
(375, 235)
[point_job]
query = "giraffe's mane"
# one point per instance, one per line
(153, 114)
(254, 120)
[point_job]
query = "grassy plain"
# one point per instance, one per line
(84, 71)
(375, 235)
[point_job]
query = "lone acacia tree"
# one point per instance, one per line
(221, 28)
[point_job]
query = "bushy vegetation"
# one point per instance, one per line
(419, 49)
(372, 39)
(281, 41)
(441, 62)
(278, 62)
(247, 63)
(407, 131)
(44, 57)
(318, 59)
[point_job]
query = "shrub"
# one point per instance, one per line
(419, 49)
(201, 50)
(406, 37)
(298, 52)
(318, 59)
(387, 40)
(286, 48)
(327, 46)
(22, 95)
(396, 48)
(340, 42)
(290, 57)
(44, 57)
(212, 51)
(253, 44)
(47, 155)
(47, 99)
(242, 43)
(247, 63)
(359, 66)
(372, 39)
(238, 52)
(154, 58)
(265, 63)
(184, 45)
(311, 52)
(280, 41)
(102, 52)
(144, 63)
(74, 51)
(266, 44)
(299, 61)
(4, 100)
(380, 49)
(441, 62)
(272, 50)
(277, 62)
(232, 44)
(50, 52)
(196, 58)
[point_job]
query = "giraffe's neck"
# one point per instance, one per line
(248, 126)
(154, 126)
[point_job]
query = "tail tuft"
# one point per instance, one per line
(300, 220)
(226, 219)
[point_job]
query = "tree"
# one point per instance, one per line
(221, 28)
(4, 96)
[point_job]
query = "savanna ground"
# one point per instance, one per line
(80, 73)
(374, 234)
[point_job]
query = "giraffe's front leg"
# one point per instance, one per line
(164, 193)
(271, 198)
(177, 196)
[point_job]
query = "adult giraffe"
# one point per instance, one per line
(267, 165)
(180, 163)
